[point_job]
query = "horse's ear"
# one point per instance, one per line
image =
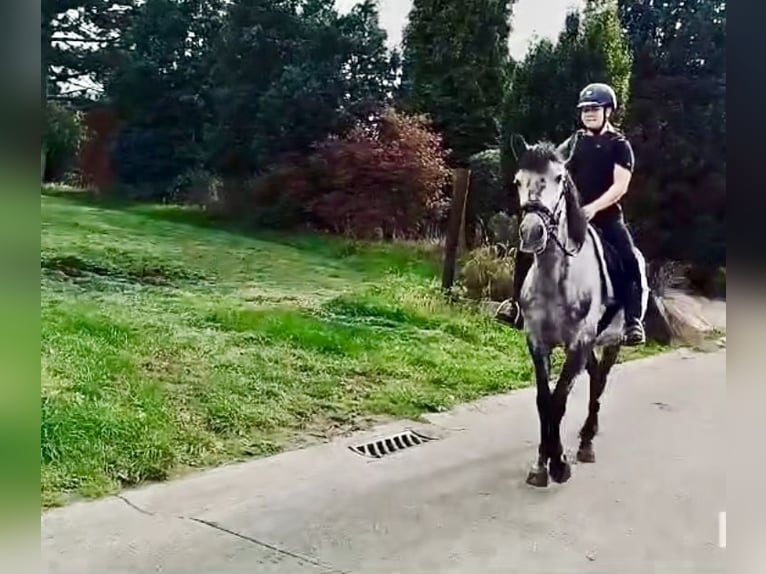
(566, 149)
(518, 145)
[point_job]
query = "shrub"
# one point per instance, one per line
(667, 274)
(386, 180)
(64, 134)
(484, 275)
(148, 160)
(504, 229)
(486, 195)
(275, 197)
(196, 186)
(707, 280)
(270, 200)
(719, 283)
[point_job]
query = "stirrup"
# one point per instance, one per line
(509, 313)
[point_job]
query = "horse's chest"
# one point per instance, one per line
(555, 314)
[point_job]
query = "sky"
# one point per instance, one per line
(531, 18)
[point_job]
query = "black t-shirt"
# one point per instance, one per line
(592, 166)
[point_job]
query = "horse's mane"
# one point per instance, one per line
(536, 159)
(577, 224)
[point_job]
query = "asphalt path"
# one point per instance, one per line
(458, 504)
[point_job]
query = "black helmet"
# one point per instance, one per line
(597, 95)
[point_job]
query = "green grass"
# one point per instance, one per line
(170, 344)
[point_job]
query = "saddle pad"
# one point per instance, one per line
(609, 265)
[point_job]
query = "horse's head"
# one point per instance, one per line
(545, 193)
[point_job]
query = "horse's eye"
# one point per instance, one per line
(559, 177)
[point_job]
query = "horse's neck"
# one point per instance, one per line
(551, 266)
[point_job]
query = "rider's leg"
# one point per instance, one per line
(509, 311)
(616, 233)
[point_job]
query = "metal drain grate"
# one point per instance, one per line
(389, 445)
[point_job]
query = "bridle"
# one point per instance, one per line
(551, 220)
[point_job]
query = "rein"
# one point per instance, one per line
(551, 221)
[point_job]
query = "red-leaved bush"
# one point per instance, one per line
(388, 180)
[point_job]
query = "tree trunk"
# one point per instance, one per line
(460, 179)
(469, 224)
(45, 46)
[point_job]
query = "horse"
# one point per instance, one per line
(572, 297)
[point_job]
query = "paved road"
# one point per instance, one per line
(459, 504)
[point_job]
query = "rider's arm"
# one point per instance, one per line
(624, 162)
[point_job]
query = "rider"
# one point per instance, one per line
(601, 165)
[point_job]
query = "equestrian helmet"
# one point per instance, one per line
(598, 95)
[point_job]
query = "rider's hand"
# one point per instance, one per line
(589, 211)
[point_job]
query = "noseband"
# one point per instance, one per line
(550, 220)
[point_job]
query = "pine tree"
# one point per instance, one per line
(455, 65)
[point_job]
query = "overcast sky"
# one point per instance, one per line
(531, 18)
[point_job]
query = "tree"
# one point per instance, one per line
(63, 133)
(76, 42)
(677, 124)
(75, 37)
(540, 103)
(455, 64)
(159, 85)
(676, 35)
(288, 73)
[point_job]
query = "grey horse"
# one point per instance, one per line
(570, 298)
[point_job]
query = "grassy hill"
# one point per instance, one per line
(170, 344)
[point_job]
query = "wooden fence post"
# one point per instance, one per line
(460, 180)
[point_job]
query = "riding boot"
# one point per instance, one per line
(634, 334)
(509, 311)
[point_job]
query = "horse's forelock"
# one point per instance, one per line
(539, 157)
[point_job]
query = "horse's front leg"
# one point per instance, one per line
(538, 474)
(576, 357)
(598, 371)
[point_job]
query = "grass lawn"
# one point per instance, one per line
(168, 344)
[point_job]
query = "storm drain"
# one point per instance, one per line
(389, 445)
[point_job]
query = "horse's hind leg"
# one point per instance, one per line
(588, 431)
(574, 363)
(598, 371)
(538, 474)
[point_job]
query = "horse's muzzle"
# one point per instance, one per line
(533, 234)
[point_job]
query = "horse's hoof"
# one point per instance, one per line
(560, 470)
(538, 477)
(586, 453)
